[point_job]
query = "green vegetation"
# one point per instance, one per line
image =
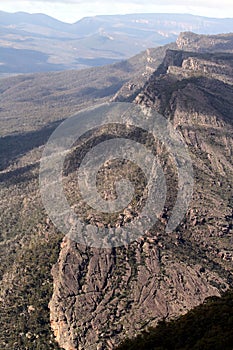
(207, 327)
(24, 313)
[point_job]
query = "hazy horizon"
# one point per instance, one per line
(118, 14)
(73, 10)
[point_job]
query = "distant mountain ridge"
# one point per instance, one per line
(91, 41)
(19, 18)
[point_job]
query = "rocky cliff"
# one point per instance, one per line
(186, 41)
(101, 296)
(97, 297)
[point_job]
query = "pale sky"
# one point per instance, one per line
(73, 10)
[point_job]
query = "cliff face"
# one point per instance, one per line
(102, 296)
(99, 296)
(186, 41)
(205, 43)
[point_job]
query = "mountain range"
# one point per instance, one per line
(57, 294)
(37, 43)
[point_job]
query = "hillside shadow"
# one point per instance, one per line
(17, 145)
(21, 175)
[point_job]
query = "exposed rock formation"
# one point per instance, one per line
(195, 92)
(205, 43)
(101, 296)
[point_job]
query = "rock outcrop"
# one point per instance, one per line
(102, 296)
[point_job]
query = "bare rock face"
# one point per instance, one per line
(151, 59)
(205, 43)
(102, 296)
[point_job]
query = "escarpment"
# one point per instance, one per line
(104, 295)
(94, 298)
